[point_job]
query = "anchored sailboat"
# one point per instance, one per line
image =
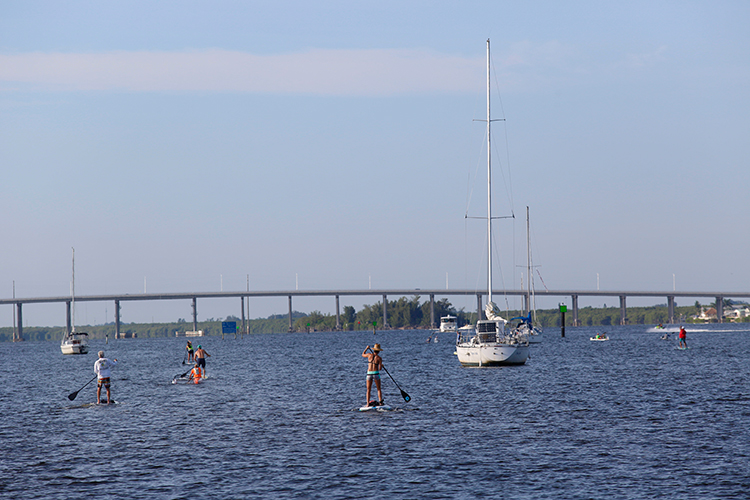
(526, 327)
(74, 342)
(492, 344)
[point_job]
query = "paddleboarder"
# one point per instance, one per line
(200, 358)
(374, 365)
(102, 369)
(190, 352)
(195, 375)
(683, 337)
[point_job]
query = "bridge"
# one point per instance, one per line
(384, 293)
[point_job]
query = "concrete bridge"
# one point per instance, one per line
(573, 294)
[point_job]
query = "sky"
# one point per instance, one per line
(196, 146)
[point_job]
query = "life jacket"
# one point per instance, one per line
(197, 374)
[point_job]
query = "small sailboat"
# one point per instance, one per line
(526, 327)
(74, 342)
(491, 344)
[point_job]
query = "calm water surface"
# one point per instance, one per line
(628, 418)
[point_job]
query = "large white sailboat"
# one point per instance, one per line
(492, 344)
(74, 342)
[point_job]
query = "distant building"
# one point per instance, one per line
(706, 315)
(732, 313)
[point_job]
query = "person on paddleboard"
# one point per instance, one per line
(195, 375)
(102, 369)
(683, 337)
(200, 358)
(190, 353)
(374, 365)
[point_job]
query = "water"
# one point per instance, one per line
(627, 418)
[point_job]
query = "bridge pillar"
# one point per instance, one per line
(385, 312)
(20, 319)
(242, 308)
(195, 314)
(574, 300)
(432, 310)
(479, 306)
(67, 317)
(291, 325)
(670, 308)
(338, 314)
(720, 309)
(117, 319)
(623, 311)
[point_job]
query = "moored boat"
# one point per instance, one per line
(448, 324)
(492, 344)
(74, 342)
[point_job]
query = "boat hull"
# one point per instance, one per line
(74, 349)
(492, 354)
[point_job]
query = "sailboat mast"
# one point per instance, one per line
(528, 265)
(73, 292)
(489, 184)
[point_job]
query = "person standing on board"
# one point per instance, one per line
(102, 369)
(374, 365)
(200, 358)
(189, 348)
(683, 338)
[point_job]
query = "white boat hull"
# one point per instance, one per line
(70, 348)
(535, 338)
(492, 354)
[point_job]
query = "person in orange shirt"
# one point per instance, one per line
(195, 375)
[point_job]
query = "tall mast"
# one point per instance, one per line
(73, 292)
(489, 184)
(528, 264)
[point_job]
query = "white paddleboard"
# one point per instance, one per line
(91, 405)
(376, 408)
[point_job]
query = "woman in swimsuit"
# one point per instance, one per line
(374, 365)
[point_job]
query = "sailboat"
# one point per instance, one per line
(492, 344)
(526, 326)
(74, 342)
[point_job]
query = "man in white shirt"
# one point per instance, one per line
(102, 369)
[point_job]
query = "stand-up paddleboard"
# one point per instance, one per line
(682, 348)
(94, 403)
(186, 380)
(383, 407)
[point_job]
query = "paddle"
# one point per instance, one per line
(181, 376)
(73, 395)
(184, 358)
(406, 397)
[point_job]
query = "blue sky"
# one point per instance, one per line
(189, 146)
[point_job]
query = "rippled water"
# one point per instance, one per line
(628, 418)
